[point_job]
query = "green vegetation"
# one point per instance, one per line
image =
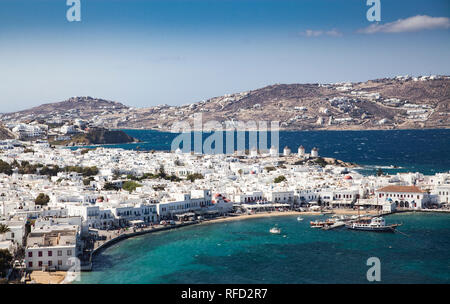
(130, 186)
(4, 228)
(110, 186)
(51, 170)
(279, 179)
(320, 161)
(5, 168)
(42, 199)
(5, 261)
(194, 176)
(162, 175)
(269, 168)
(380, 172)
(87, 181)
(85, 171)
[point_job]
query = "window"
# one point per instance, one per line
(50, 253)
(30, 254)
(69, 252)
(40, 263)
(59, 262)
(59, 252)
(39, 253)
(30, 264)
(49, 263)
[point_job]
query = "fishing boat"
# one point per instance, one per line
(376, 224)
(275, 230)
(321, 224)
(316, 224)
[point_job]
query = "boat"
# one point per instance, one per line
(316, 224)
(275, 230)
(321, 224)
(299, 218)
(376, 224)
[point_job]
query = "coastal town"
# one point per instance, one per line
(60, 206)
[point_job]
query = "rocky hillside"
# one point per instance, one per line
(389, 103)
(5, 133)
(98, 136)
(79, 107)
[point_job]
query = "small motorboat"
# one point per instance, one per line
(275, 230)
(299, 218)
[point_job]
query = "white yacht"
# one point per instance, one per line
(375, 224)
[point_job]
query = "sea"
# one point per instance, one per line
(426, 151)
(245, 252)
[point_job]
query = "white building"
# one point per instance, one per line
(409, 197)
(301, 151)
(273, 151)
(52, 247)
(286, 151)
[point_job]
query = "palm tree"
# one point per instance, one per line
(4, 229)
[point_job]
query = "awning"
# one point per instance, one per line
(136, 222)
(188, 214)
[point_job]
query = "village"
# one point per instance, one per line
(58, 204)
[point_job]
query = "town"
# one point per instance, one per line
(58, 204)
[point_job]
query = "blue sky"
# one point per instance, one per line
(144, 53)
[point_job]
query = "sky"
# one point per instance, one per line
(146, 53)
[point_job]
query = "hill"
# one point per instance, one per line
(5, 133)
(98, 136)
(402, 102)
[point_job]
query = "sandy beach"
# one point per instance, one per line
(286, 213)
(45, 277)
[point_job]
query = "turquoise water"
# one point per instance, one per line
(425, 151)
(245, 252)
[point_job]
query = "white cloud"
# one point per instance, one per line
(317, 33)
(411, 24)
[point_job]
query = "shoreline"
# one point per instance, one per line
(225, 219)
(157, 228)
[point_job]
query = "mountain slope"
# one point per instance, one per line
(388, 103)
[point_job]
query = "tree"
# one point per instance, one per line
(42, 199)
(4, 229)
(110, 186)
(193, 177)
(130, 186)
(162, 172)
(380, 172)
(5, 167)
(5, 261)
(279, 179)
